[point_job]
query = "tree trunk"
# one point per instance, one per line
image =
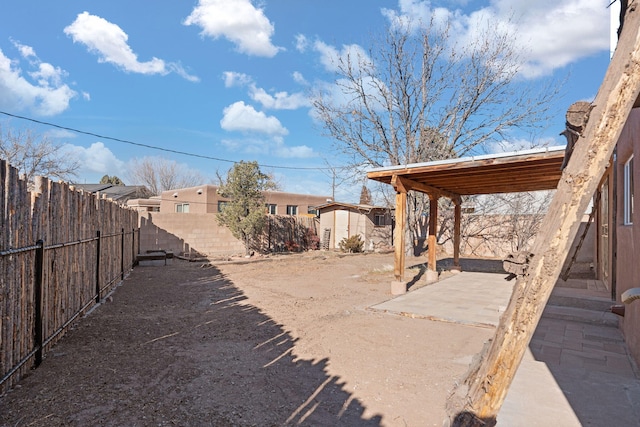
(478, 400)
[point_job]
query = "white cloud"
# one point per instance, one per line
(47, 95)
(234, 79)
(547, 33)
(60, 134)
(298, 152)
(274, 147)
(25, 51)
(299, 78)
(331, 58)
(301, 43)
(279, 100)
(109, 42)
(239, 21)
(96, 159)
(507, 146)
(244, 118)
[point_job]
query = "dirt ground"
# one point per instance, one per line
(285, 340)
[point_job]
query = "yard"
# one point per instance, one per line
(286, 340)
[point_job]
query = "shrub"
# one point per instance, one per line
(351, 244)
(291, 246)
(312, 240)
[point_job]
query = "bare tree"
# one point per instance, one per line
(418, 97)
(159, 174)
(499, 224)
(415, 97)
(36, 155)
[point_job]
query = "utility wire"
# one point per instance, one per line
(152, 147)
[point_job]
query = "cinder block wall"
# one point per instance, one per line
(182, 233)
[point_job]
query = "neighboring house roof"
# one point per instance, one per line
(367, 208)
(119, 193)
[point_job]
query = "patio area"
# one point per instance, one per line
(577, 370)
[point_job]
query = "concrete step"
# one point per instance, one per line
(582, 315)
(586, 300)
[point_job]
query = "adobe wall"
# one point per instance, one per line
(628, 236)
(182, 233)
(205, 198)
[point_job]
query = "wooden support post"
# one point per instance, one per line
(38, 332)
(433, 225)
(456, 234)
(398, 234)
(477, 401)
(98, 241)
(122, 255)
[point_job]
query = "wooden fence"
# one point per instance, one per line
(61, 251)
(290, 233)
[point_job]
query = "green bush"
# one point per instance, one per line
(351, 244)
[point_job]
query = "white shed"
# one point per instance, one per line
(342, 220)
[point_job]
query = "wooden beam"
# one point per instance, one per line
(457, 218)
(433, 225)
(398, 184)
(398, 235)
(410, 184)
(479, 398)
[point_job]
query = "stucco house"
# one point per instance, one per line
(184, 221)
(621, 239)
(342, 220)
(206, 199)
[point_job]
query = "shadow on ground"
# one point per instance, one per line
(445, 265)
(178, 345)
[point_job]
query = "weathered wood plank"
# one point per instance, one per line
(478, 400)
(62, 217)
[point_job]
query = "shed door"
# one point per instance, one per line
(342, 227)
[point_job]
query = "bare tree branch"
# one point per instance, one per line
(35, 155)
(159, 174)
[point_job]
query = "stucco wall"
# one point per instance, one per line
(180, 233)
(205, 198)
(628, 236)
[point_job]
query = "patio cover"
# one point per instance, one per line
(514, 172)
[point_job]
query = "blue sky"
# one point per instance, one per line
(228, 79)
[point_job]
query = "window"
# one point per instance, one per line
(313, 211)
(272, 209)
(182, 207)
(292, 210)
(221, 205)
(628, 192)
(378, 220)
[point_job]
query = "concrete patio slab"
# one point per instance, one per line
(574, 373)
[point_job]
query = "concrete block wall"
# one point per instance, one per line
(185, 233)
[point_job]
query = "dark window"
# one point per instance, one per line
(292, 210)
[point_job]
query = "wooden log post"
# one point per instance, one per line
(457, 218)
(432, 239)
(477, 401)
(398, 235)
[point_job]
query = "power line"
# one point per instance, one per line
(153, 147)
